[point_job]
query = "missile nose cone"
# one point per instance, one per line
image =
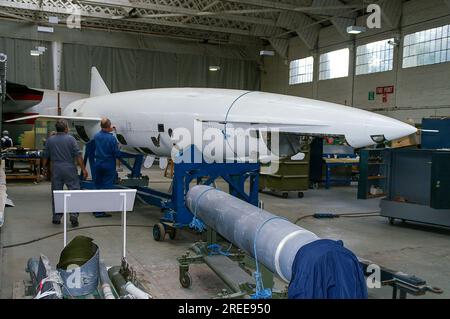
(392, 129)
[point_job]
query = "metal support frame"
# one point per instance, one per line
(176, 214)
(233, 274)
(402, 284)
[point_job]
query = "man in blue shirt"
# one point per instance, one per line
(106, 153)
(62, 151)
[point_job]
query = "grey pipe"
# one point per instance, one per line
(117, 280)
(278, 240)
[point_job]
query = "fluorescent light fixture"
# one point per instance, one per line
(53, 20)
(214, 68)
(354, 29)
(41, 49)
(41, 28)
(35, 53)
(267, 53)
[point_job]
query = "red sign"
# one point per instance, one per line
(388, 89)
(385, 89)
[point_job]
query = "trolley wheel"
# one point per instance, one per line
(185, 280)
(300, 194)
(172, 233)
(159, 232)
(285, 195)
(391, 220)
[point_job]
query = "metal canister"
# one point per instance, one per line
(79, 267)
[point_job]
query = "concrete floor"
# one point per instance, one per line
(415, 249)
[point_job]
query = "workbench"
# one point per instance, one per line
(337, 162)
(32, 171)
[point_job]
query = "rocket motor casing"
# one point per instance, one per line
(278, 240)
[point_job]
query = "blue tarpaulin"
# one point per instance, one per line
(325, 269)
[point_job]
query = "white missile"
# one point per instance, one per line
(146, 120)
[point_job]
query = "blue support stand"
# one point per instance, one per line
(176, 214)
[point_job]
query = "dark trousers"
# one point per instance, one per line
(105, 174)
(64, 174)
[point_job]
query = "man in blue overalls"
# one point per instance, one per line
(106, 153)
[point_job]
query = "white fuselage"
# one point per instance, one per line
(138, 115)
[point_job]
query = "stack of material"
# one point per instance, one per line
(3, 195)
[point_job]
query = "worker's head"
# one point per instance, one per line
(61, 126)
(5, 133)
(105, 124)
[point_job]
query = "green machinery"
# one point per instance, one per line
(291, 175)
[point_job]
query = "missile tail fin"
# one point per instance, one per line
(98, 86)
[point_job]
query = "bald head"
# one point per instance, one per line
(105, 124)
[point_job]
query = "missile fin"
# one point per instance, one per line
(98, 86)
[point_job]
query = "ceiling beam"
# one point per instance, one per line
(341, 19)
(132, 27)
(205, 8)
(16, 16)
(301, 23)
(84, 12)
(391, 12)
(281, 46)
(224, 15)
(290, 7)
(191, 26)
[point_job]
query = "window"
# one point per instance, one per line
(334, 64)
(375, 57)
(427, 47)
(301, 71)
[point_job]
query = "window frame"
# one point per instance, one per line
(426, 47)
(307, 66)
(329, 75)
(384, 52)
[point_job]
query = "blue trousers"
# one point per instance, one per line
(105, 174)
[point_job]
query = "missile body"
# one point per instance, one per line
(277, 242)
(144, 116)
(149, 121)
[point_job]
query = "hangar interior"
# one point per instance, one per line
(385, 200)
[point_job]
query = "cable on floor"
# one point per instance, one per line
(68, 231)
(344, 215)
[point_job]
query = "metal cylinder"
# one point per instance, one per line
(105, 282)
(135, 291)
(78, 266)
(278, 240)
(117, 280)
